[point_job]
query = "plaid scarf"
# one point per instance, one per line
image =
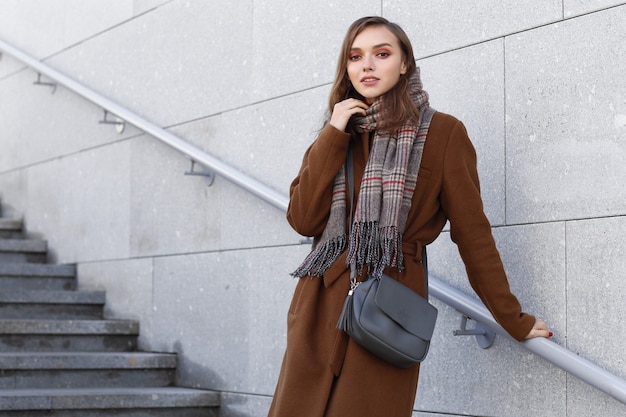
(384, 201)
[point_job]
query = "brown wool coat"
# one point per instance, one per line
(324, 373)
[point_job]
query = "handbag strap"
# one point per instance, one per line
(350, 171)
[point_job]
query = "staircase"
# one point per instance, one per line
(60, 357)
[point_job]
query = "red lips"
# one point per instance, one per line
(369, 80)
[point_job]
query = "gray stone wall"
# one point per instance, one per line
(539, 85)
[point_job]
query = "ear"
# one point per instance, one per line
(403, 68)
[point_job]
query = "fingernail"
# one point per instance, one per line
(550, 334)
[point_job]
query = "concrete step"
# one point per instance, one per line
(10, 227)
(19, 335)
(27, 370)
(94, 402)
(23, 250)
(25, 304)
(24, 276)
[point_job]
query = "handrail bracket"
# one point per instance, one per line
(484, 336)
(51, 84)
(120, 124)
(209, 176)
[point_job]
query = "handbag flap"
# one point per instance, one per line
(406, 307)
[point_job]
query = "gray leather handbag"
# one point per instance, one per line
(386, 317)
(390, 320)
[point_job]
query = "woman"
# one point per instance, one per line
(414, 169)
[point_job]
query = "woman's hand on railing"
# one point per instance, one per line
(540, 329)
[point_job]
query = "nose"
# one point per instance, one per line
(368, 63)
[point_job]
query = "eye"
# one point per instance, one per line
(354, 57)
(383, 54)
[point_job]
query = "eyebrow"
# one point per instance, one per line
(380, 45)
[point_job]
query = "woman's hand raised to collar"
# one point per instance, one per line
(344, 110)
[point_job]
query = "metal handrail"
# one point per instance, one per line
(563, 358)
(581, 368)
(194, 153)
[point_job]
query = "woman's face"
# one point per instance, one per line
(375, 62)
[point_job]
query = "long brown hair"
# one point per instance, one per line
(399, 108)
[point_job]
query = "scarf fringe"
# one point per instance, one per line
(363, 246)
(375, 247)
(321, 258)
(391, 248)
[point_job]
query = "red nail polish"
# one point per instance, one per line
(550, 334)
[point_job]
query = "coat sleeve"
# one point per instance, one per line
(471, 231)
(311, 191)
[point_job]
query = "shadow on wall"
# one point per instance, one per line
(193, 374)
(201, 377)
